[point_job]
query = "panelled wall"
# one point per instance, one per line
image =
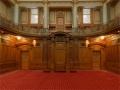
(9, 55)
(57, 56)
(112, 62)
(75, 54)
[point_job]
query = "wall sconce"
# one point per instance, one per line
(87, 42)
(102, 37)
(18, 37)
(34, 42)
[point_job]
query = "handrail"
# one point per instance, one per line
(25, 30)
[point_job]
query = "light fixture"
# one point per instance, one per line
(18, 37)
(87, 42)
(34, 42)
(102, 37)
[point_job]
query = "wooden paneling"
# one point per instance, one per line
(25, 60)
(112, 62)
(7, 58)
(96, 60)
(36, 55)
(60, 56)
(84, 58)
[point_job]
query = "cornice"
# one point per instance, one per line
(74, 1)
(45, 1)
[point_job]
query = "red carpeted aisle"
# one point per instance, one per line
(38, 80)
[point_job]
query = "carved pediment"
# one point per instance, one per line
(60, 34)
(97, 43)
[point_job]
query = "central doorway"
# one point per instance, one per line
(60, 59)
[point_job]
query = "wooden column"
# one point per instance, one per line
(67, 56)
(102, 58)
(53, 55)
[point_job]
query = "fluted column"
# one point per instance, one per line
(16, 13)
(45, 21)
(75, 15)
(74, 18)
(104, 13)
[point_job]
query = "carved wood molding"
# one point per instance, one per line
(97, 43)
(20, 44)
(62, 33)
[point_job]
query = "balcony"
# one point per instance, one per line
(17, 29)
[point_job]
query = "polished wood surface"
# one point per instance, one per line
(25, 60)
(7, 58)
(96, 60)
(60, 56)
(60, 53)
(112, 62)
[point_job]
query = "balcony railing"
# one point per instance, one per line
(11, 27)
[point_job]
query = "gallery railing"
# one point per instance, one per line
(28, 31)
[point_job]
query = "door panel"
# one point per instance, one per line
(25, 60)
(60, 62)
(96, 60)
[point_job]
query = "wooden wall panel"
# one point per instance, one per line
(119, 52)
(84, 58)
(36, 55)
(1, 52)
(7, 58)
(18, 58)
(112, 62)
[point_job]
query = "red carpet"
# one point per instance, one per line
(38, 80)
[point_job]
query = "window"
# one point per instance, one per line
(86, 16)
(34, 16)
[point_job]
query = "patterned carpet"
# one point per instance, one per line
(38, 80)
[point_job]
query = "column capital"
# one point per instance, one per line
(104, 1)
(45, 1)
(74, 1)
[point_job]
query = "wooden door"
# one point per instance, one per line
(25, 59)
(60, 61)
(96, 60)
